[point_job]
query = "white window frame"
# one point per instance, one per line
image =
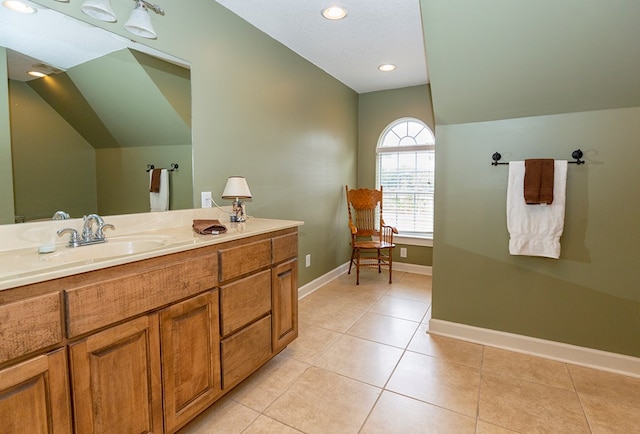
(409, 238)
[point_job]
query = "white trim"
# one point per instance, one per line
(412, 268)
(413, 241)
(583, 356)
(315, 284)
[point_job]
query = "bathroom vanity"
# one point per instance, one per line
(144, 342)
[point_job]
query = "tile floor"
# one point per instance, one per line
(364, 363)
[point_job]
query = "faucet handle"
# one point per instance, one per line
(101, 227)
(74, 239)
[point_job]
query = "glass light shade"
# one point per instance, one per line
(139, 22)
(100, 10)
(18, 6)
(236, 188)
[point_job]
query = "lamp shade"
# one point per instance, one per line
(100, 10)
(139, 22)
(236, 188)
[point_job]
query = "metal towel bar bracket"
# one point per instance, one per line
(576, 155)
(174, 167)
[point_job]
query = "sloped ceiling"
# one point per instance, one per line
(500, 59)
(123, 99)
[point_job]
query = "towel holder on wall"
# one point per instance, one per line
(577, 155)
(174, 167)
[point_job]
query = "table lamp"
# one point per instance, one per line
(236, 189)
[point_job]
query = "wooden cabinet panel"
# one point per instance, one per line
(284, 297)
(29, 325)
(115, 377)
(190, 358)
(244, 301)
(244, 258)
(245, 351)
(97, 305)
(34, 396)
(285, 247)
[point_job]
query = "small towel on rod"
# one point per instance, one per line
(535, 230)
(538, 181)
(155, 180)
(208, 227)
(159, 201)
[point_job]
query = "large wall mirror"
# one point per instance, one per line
(82, 137)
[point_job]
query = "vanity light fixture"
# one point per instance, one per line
(236, 189)
(334, 13)
(139, 22)
(19, 6)
(387, 67)
(37, 74)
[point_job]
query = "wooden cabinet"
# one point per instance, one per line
(34, 396)
(145, 346)
(115, 379)
(190, 342)
(284, 299)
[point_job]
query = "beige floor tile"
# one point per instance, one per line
(323, 402)
(526, 367)
(446, 384)
(312, 341)
(398, 414)
(401, 308)
(329, 316)
(384, 329)
(411, 291)
(225, 416)
(266, 425)
(610, 417)
(270, 381)
(487, 428)
(527, 406)
(444, 348)
(612, 387)
(361, 360)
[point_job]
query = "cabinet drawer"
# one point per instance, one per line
(245, 351)
(244, 301)
(285, 247)
(29, 325)
(240, 260)
(116, 298)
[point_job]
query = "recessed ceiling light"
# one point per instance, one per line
(18, 6)
(37, 74)
(334, 13)
(387, 67)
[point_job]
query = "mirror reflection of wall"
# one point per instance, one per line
(81, 138)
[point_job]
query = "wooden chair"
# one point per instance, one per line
(371, 238)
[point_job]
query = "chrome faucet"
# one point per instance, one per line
(60, 215)
(88, 236)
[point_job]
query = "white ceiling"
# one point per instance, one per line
(374, 32)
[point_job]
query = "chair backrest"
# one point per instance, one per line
(362, 205)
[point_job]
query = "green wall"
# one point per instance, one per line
(376, 110)
(6, 179)
(530, 80)
(261, 111)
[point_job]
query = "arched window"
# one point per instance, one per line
(405, 169)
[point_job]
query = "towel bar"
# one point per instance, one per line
(577, 155)
(174, 167)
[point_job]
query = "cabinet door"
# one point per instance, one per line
(284, 311)
(34, 396)
(190, 341)
(115, 378)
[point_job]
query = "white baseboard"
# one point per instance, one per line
(589, 357)
(412, 268)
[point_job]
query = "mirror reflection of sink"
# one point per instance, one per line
(112, 248)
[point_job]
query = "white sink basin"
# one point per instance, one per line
(111, 248)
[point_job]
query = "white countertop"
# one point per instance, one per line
(21, 264)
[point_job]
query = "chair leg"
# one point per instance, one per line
(390, 264)
(379, 261)
(353, 251)
(357, 266)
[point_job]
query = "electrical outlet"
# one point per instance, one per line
(403, 252)
(206, 199)
(308, 260)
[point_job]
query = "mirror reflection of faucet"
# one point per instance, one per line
(88, 236)
(60, 215)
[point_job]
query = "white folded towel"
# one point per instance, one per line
(160, 201)
(535, 230)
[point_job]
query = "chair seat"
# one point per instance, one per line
(372, 245)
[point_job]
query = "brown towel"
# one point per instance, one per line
(155, 180)
(208, 227)
(538, 181)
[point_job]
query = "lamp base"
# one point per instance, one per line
(237, 213)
